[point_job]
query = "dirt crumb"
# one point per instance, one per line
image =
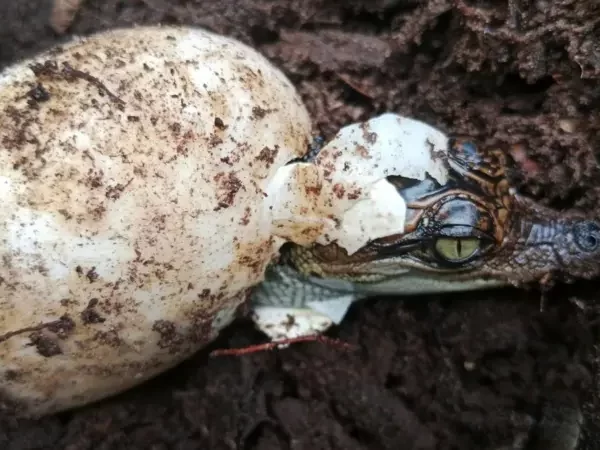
(267, 155)
(45, 345)
(90, 315)
(229, 185)
(170, 338)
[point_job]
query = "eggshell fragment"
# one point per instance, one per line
(288, 323)
(344, 196)
(133, 171)
(356, 163)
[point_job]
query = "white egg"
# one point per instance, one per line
(133, 171)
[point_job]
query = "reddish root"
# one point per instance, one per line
(268, 346)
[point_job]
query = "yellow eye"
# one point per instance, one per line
(457, 249)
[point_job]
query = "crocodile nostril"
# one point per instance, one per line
(591, 242)
(587, 236)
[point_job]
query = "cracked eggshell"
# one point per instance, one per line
(344, 196)
(133, 171)
(355, 164)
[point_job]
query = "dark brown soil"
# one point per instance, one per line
(467, 371)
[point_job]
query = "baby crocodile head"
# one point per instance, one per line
(473, 232)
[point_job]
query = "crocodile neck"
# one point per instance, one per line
(286, 287)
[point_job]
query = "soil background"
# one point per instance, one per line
(464, 371)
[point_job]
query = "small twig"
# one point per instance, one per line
(268, 346)
(7, 336)
(69, 73)
(354, 85)
(55, 325)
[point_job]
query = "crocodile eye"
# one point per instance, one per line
(457, 250)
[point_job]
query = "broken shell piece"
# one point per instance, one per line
(358, 160)
(343, 196)
(288, 323)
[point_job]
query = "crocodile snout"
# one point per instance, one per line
(587, 235)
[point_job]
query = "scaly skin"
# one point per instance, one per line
(488, 236)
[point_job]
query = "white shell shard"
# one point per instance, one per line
(335, 309)
(133, 171)
(363, 154)
(344, 197)
(294, 201)
(382, 213)
(288, 323)
(385, 145)
(281, 323)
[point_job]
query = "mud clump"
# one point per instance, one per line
(468, 371)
